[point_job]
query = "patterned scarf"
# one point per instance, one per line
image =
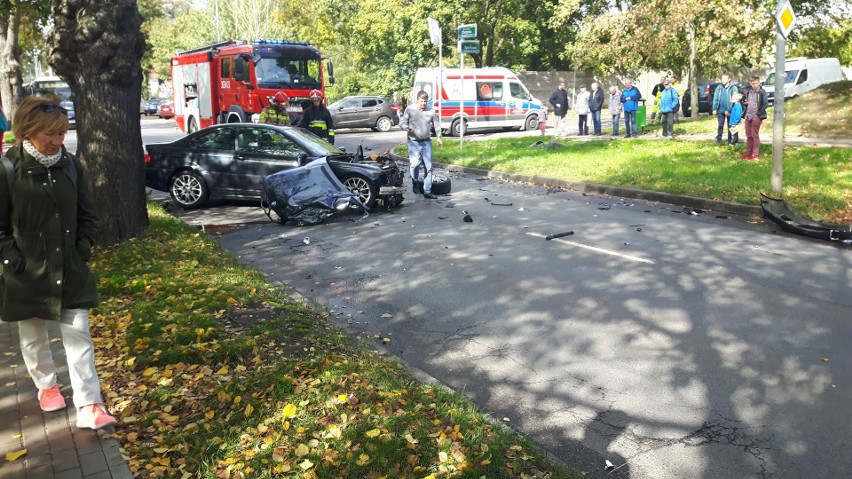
(45, 160)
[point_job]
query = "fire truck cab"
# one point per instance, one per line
(231, 81)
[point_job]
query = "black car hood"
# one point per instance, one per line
(308, 194)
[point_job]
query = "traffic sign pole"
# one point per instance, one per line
(785, 19)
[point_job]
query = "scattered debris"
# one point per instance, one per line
(307, 240)
(778, 211)
(609, 466)
(551, 144)
(606, 206)
(558, 235)
(450, 204)
(467, 218)
(638, 229)
(722, 217)
(501, 204)
(442, 217)
(691, 211)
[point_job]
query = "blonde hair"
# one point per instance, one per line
(31, 117)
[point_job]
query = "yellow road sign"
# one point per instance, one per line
(786, 18)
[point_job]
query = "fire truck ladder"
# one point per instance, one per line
(212, 46)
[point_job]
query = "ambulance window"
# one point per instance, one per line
(486, 91)
(518, 91)
(226, 68)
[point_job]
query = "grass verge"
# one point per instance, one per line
(216, 374)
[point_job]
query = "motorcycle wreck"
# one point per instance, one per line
(309, 194)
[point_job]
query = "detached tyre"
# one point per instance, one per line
(362, 188)
(188, 189)
(441, 185)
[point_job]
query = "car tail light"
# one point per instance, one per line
(147, 158)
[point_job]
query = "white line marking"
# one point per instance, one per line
(596, 249)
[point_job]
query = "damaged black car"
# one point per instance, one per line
(230, 161)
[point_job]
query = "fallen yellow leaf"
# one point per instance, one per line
(12, 456)
(302, 450)
(373, 433)
(289, 410)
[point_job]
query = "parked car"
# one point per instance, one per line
(374, 112)
(151, 106)
(142, 107)
(72, 115)
(166, 109)
(705, 99)
(230, 161)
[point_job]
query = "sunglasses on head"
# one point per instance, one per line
(51, 107)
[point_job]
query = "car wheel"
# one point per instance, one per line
(456, 127)
(384, 124)
(532, 123)
(188, 189)
(193, 126)
(441, 185)
(362, 188)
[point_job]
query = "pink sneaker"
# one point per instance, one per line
(51, 399)
(94, 416)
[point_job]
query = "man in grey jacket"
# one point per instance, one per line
(419, 120)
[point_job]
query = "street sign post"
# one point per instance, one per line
(471, 47)
(435, 37)
(785, 19)
(467, 30)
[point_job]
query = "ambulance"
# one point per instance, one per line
(476, 98)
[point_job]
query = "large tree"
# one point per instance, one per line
(13, 15)
(97, 48)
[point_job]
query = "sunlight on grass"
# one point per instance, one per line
(216, 374)
(817, 181)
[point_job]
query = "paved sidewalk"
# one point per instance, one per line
(55, 447)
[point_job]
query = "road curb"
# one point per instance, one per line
(595, 188)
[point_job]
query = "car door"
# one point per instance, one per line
(262, 152)
(210, 153)
(346, 114)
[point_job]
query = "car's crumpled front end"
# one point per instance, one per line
(306, 195)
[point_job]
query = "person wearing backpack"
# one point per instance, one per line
(48, 223)
(669, 103)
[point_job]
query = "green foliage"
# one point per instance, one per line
(825, 41)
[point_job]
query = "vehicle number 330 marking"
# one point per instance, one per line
(226, 84)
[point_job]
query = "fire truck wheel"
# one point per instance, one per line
(362, 188)
(193, 126)
(384, 124)
(441, 185)
(188, 189)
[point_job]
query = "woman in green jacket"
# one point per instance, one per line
(47, 225)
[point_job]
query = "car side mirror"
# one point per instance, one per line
(303, 158)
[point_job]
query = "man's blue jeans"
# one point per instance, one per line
(722, 119)
(596, 121)
(420, 156)
(630, 123)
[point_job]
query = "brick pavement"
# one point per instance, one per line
(55, 447)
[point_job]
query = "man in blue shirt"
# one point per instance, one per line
(722, 105)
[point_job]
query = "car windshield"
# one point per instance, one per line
(789, 77)
(316, 145)
(283, 72)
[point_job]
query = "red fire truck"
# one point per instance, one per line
(231, 81)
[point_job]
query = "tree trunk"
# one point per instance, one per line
(693, 76)
(97, 48)
(10, 68)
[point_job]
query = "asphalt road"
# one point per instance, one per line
(673, 345)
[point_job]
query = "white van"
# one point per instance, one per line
(494, 97)
(804, 74)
